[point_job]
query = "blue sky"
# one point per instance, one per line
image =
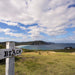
(29, 20)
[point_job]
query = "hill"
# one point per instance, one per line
(30, 43)
(34, 43)
(43, 63)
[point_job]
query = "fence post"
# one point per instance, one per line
(11, 60)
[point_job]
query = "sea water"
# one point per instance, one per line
(46, 47)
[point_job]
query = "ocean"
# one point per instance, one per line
(46, 47)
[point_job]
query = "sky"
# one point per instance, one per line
(29, 20)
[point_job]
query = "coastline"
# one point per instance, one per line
(22, 45)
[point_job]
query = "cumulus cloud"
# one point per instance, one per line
(21, 27)
(13, 24)
(12, 39)
(53, 16)
(15, 11)
(2, 38)
(74, 32)
(9, 23)
(35, 33)
(69, 39)
(4, 30)
(11, 33)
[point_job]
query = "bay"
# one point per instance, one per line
(46, 47)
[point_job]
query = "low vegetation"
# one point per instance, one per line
(43, 63)
(59, 50)
(1, 46)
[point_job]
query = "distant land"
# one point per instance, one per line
(30, 43)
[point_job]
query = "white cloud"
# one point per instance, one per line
(13, 24)
(11, 39)
(9, 23)
(69, 39)
(35, 33)
(52, 16)
(21, 27)
(15, 11)
(74, 32)
(3, 38)
(4, 30)
(14, 34)
(11, 33)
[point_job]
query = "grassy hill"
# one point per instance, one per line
(31, 62)
(43, 63)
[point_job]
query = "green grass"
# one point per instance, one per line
(45, 63)
(65, 50)
(58, 50)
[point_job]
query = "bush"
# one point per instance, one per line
(27, 50)
(2, 62)
(1, 46)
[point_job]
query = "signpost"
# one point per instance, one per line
(9, 54)
(6, 53)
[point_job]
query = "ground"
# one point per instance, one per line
(43, 63)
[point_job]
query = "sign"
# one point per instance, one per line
(9, 53)
(5, 53)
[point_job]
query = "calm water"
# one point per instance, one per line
(47, 47)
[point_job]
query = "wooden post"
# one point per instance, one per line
(11, 60)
